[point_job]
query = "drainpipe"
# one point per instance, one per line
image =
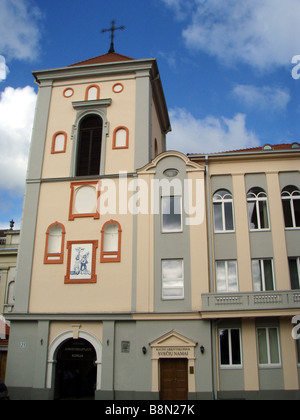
(211, 279)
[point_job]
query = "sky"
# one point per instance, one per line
(230, 70)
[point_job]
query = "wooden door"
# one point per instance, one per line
(3, 358)
(173, 379)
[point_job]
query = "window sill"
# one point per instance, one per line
(231, 367)
(275, 366)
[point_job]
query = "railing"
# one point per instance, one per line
(251, 301)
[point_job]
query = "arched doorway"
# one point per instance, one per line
(76, 371)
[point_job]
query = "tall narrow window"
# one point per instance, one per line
(172, 279)
(230, 347)
(54, 248)
(290, 196)
(171, 214)
(111, 242)
(258, 209)
(294, 264)
(89, 146)
(226, 276)
(268, 346)
(223, 211)
(262, 274)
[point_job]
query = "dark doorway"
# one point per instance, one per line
(173, 379)
(76, 372)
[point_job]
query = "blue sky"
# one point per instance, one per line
(226, 68)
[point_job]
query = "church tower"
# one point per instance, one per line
(106, 286)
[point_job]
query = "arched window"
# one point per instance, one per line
(59, 142)
(54, 248)
(223, 211)
(290, 196)
(89, 146)
(111, 242)
(121, 138)
(257, 209)
(92, 93)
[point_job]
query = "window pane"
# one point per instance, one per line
(221, 277)
(218, 217)
(294, 274)
(235, 347)
(173, 292)
(269, 283)
(232, 276)
(287, 213)
(172, 279)
(224, 347)
(262, 346)
(228, 216)
(256, 275)
(252, 215)
(297, 212)
(171, 210)
(172, 269)
(274, 348)
(263, 213)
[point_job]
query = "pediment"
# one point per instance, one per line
(190, 165)
(173, 339)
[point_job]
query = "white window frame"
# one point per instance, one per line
(291, 197)
(164, 229)
(261, 196)
(164, 280)
(298, 270)
(222, 200)
(230, 365)
(269, 364)
(227, 276)
(262, 270)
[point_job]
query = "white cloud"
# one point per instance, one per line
(181, 8)
(267, 98)
(208, 135)
(16, 119)
(3, 68)
(261, 33)
(19, 32)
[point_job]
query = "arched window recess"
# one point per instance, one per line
(111, 242)
(290, 196)
(86, 109)
(54, 247)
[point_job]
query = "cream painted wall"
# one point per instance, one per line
(62, 116)
(57, 328)
(199, 261)
(145, 258)
(238, 167)
(112, 292)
